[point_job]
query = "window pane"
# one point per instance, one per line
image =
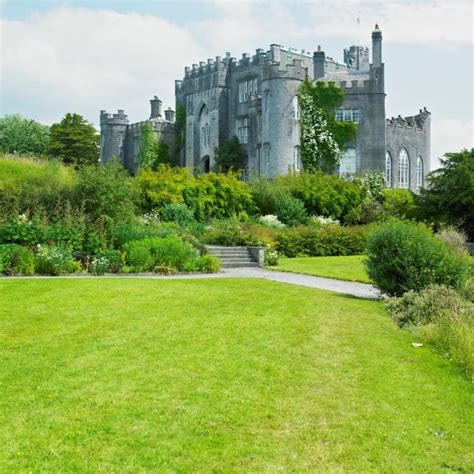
(347, 115)
(388, 169)
(355, 115)
(339, 115)
(403, 169)
(348, 164)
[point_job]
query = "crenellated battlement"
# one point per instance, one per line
(415, 122)
(355, 86)
(120, 118)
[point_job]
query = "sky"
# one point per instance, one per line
(84, 56)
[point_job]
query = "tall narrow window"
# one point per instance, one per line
(347, 115)
(403, 169)
(348, 164)
(340, 115)
(259, 123)
(419, 172)
(242, 129)
(388, 169)
(241, 91)
(259, 161)
(296, 108)
(297, 158)
(355, 115)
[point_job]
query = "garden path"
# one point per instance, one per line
(361, 290)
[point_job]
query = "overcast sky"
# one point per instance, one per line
(84, 56)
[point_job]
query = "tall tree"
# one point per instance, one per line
(322, 137)
(230, 156)
(22, 136)
(449, 196)
(74, 141)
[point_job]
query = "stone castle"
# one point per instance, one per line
(256, 99)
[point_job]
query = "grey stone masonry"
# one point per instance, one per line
(256, 99)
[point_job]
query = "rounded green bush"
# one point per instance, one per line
(208, 264)
(15, 259)
(179, 213)
(403, 256)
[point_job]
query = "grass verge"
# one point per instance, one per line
(132, 375)
(348, 268)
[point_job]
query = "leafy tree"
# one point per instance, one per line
(449, 196)
(230, 156)
(74, 141)
(180, 135)
(105, 192)
(22, 136)
(152, 152)
(322, 137)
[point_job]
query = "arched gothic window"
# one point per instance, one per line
(419, 172)
(348, 163)
(403, 169)
(297, 158)
(296, 108)
(204, 127)
(388, 169)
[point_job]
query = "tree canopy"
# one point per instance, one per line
(74, 141)
(449, 196)
(230, 156)
(22, 136)
(322, 137)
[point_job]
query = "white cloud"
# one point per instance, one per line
(440, 22)
(450, 135)
(81, 60)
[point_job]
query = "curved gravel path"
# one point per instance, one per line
(361, 290)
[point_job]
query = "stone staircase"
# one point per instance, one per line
(233, 257)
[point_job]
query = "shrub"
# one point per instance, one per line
(322, 241)
(106, 261)
(146, 254)
(270, 220)
(291, 211)
(403, 256)
(324, 195)
(127, 232)
(208, 264)
(23, 231)
(105, 191)
(271, 258)
(455, 240)
(399, 203)
(15, 259)
(99, 265)
(54, 260)
(440, 316)
(178, 213)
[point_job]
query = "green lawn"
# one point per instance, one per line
(228, 375)
(343, 268)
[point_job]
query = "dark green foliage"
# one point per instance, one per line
(123, 233)
(449, 196)
(16, 260)
(290, 211)
(178, 213)
(105, 192)
(74, 141)
(323, 195)
(22, 136)
(230, 156)
(152, 151)
(324, 241)
(404, 256)
(144, 255)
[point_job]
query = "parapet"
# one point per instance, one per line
(120, 118)
(415, 122)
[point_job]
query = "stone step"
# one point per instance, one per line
(236, 259)
(239, 265)
(229, 254)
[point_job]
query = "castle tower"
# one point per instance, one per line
(377, 46)
(113, 128)
(155, 104)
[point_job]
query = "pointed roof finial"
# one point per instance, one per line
(377, 26)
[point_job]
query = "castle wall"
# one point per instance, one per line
(413, 135)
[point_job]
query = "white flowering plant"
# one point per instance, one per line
(270, 220)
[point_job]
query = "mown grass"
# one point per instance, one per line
(231, 375)
(349, 268)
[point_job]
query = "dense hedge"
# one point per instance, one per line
(405, 256)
